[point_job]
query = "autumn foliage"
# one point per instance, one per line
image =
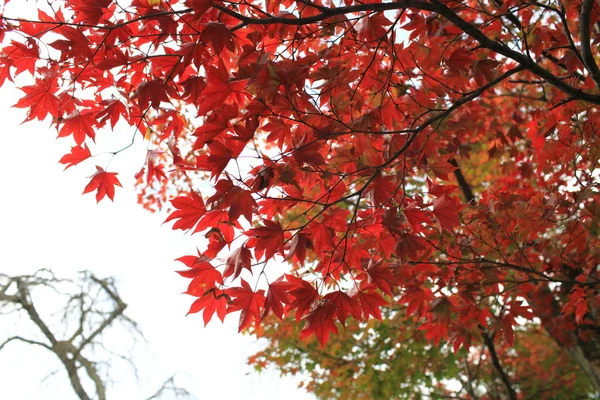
(430, 159)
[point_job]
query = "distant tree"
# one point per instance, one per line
(394, 359)
(88, 308)
(437, 156)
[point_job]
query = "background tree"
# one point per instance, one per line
(438, 156)
(73, 324)
(393, 359)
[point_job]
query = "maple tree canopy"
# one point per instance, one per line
(434, 157)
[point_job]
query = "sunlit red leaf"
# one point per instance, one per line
(103, 183)
(248, 302)
(77, 155)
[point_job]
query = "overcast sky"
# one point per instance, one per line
(45, 222)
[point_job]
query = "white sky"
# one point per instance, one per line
(45, 222)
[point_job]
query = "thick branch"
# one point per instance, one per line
(462, 183)
(33, 314)
(584, 33)
(489, 343)
(74, 378)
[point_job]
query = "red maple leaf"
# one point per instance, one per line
(266, 239)
(216, 91)
(151, 93)
(445, 210)
(416, 217)
(79, 125)
(211, 302)
(21, 56)
(298, 245)
(40, 100)
(112, 109)
(104, 183)
(344, 306)
(214, 125)
(90, 12)
(77, 155)
(190, 209)
(459, 61)
(441, 167)
(248, 302)
(277, 296)
(216, 160)
(199, 6)
(239, 259)
(320, 323)
(303, 295)
(218, 36)
(379, 275)
(203, 274)
(371, 302)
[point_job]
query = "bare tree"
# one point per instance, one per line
(88, 308)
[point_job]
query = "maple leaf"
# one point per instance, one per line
(77, 155)
(75, 45)
(214, 125)
(267, 240)
(22, 57)
(239, 259)
(373, 27)
(277, 296)
(298, 245)
(218, 36)
(246, 132)
(216, 160)
(193, 88)
(90, 12)
(211, 218)
(344, 306)
(40, 100)
(303, 295)
(321, 238)
(216, 91)
(417, 299)
(416, 217)
(371, 302)
(113, 110)
(190, 209)
(104, 183)
(320, 323)
(459, 61)
(438, 190)
(79, 125)
(203, 274)
(151, 93)
(441, 167)
(214, 301)
(249, 302)
(484, 71)
(445, 210)
(199, 6)
(378, 275)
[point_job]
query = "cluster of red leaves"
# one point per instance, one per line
(335, 144)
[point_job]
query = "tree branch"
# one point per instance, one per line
(489, 343)
(436, 7)
(584, 33)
